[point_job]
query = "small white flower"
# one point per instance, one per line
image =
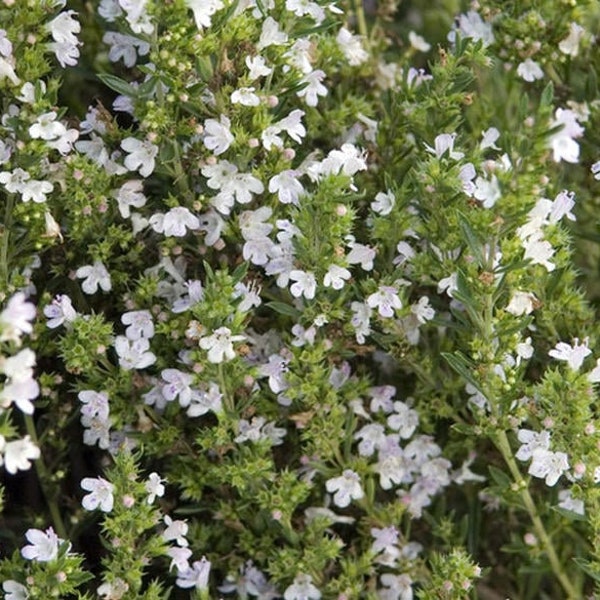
(345, 488)
(521, 303)
(133, 354)
(271, 35)
(36, 190)
(351, 47)
(313, 87)
(530, 71)
(176, 530)
(18, 454)
(196, 576)
(305, 284)
(220, 345)
(204, 10)
(43, 545)
(154, 487)
(95, 275)
(139, 324)
(218, 136)
(548, 465)
(140, 155)
(383, 203)
(570, 45)
(100, 496)
(257, 67)
(302, 589)
(573, 355)
(531, 441)
(386, 300)
(567, 502)
(245, 97)
(336, 277)
(418, 42)
(14, 590)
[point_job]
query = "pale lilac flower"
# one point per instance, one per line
(17, 454)
(596, 170)
(126, 47)
(573, 355)
(362, 255)
(20, 387)
(345, 488)
(404, 420)
(140, 155)
(336, 277)
(197, 575)
(561, 207)
(179, 558)
(532, 441)
(396, 587)
(548, 465)
(5, 44)
(133, 354)
(95, 275)
(176, 530)
(444, 143)
(100, 496)
(95, 404)
(530, 71)
(489, 139)
(361, 320)
(305, 284)
(43, 545)
(139, 324)
(174, 223)
(218, 136)
(372, 437)
(220, 345)
(302, 589)
(386, 300)
(567, 502)
(203, 402)
(154, 487)
(177, 383)
(287, 187)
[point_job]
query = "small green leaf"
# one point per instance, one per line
(118, 85)
(547, 95)
(284, 309)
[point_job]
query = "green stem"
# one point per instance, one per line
(227, 399)
(503, 446)
(5, 239)
(44, 477)
(361, 21)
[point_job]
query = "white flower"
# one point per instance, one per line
(345, 488)
(595, 168)
(530, 71)
(133, 354)
(287, 187)
(245, 97)
(47, 127)
(95, 275)
(404, 420)
(128, 195)
(302, 589)
(563, 144)
(141, 155)
(418, 42)
(14, 590)
(35, 190)
(444, 143)
(336, 277)
(218, 136)
(43, 545)
(258, 67)
(113, 590)
(548, 465)
(14, 319)
(489, 138)
(100, 496)
(386, 300)
(154, 487)
(220, 345)
(139, 324)
(203, 11)
(18, 454)
(383, 203)
(471, 25)
(570, 45)
(573, 355)
(561, 207)
(125, 47)
(176, 530)
(313, 88)
(531, 441)
(196, 576)
(60, 311)
(271, 35)
(175, 223)
(351, 47)
(539, 251)
(306, 284)
(521, 303)
(567, 502)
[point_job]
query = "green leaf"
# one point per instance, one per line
(547, 95)
(588, 568)
(463, 366)
(118, 85)
(284, 309)
(501, 479)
